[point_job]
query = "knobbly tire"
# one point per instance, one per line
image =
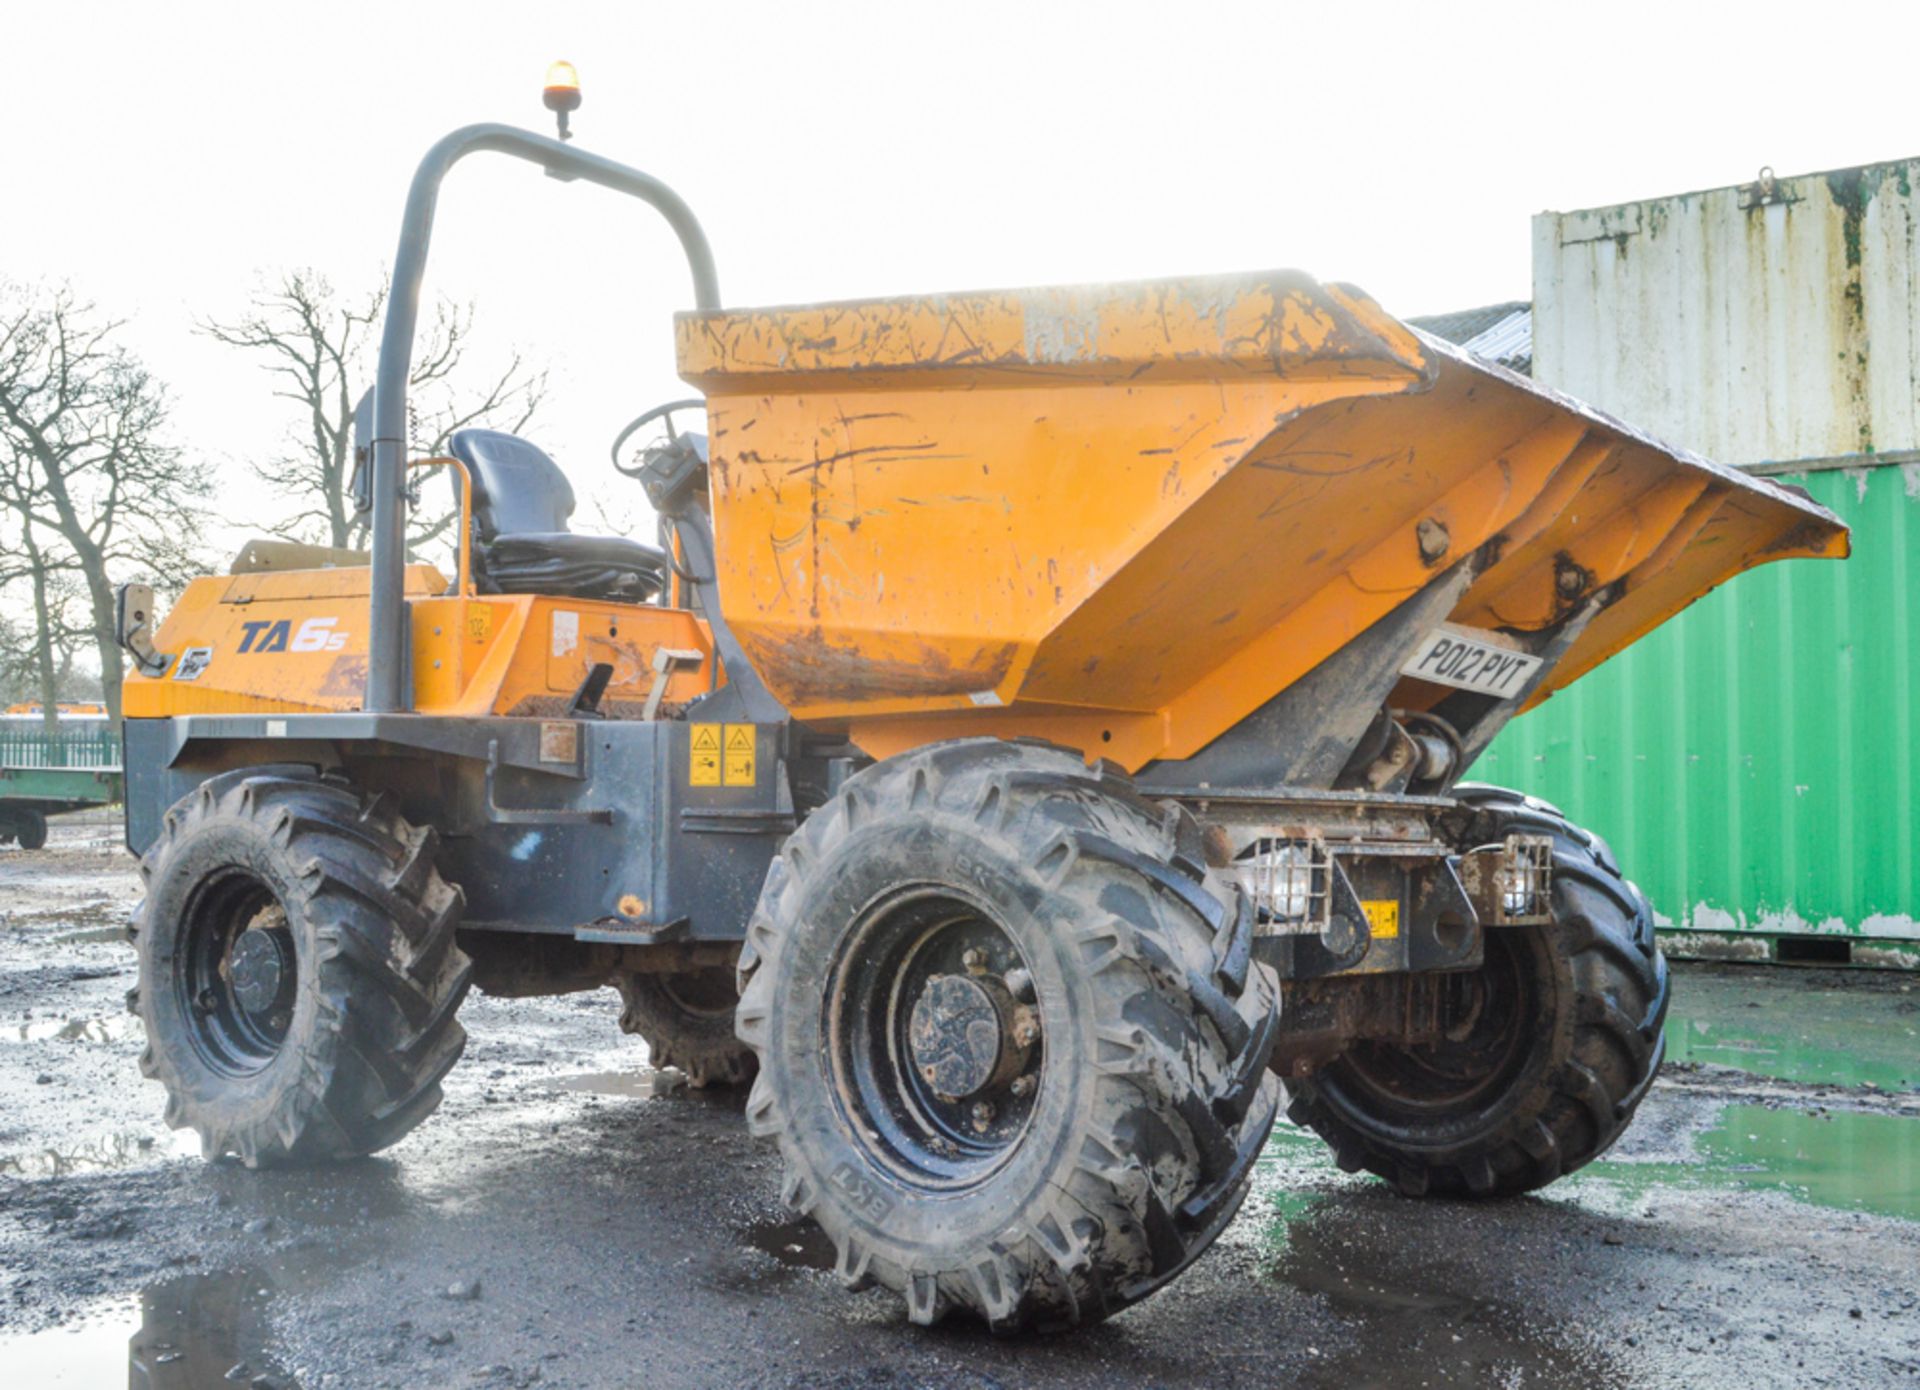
(298, 972)
(1565, 1042)
(1012, 1044)
(26, 828)
(686, 1020)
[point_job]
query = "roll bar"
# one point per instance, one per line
(389, 690)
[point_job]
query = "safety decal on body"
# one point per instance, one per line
(1383, 918)
(703, 765)
(739, 766)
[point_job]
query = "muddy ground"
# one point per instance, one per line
(569, 1219)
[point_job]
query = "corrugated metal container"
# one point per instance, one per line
(1754, 761)
(1764, 322)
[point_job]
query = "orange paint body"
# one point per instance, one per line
(295, 642)
(1124, 517)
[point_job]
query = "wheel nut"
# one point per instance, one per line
(1020, 983)
(1027, 1033)
(982, 1115)
(1022, 1086)
(974, 959)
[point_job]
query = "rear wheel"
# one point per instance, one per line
(686, 1020)
(29, 829)
(1556, 1038)
(298, 973)
(1012, 1045)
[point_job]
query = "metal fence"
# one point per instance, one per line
(92, 744)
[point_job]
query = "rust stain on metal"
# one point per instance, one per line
(814, 668)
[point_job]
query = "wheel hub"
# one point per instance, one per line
(937, 1037)
(259, 969)
(959, 1035)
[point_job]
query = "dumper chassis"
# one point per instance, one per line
(1016, 897)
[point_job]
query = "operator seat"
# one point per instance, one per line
(521, 544)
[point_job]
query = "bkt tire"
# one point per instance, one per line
(298, 972)
(1012, 1045)
(686, 1020)
(1565, 1038)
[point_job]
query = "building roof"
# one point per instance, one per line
(1500, 333)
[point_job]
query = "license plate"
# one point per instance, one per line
(1467, 659)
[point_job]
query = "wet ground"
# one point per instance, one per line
(573, 1218)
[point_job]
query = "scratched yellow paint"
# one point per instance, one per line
(1124, 517)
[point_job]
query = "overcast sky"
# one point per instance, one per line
(163, 157)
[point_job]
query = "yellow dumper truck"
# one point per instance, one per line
(1029, 750)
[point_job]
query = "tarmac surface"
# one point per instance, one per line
(572, 1217)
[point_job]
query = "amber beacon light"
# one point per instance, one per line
(562, 94)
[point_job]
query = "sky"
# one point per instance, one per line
(165, 158)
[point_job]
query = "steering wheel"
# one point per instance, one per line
(642, 421)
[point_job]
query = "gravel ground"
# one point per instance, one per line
(571, 1218)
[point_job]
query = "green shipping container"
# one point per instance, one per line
(1754, 761)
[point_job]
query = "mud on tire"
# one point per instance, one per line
(1132, 1148)
(686, 1020)
(326, 1034)
(1493, 1115)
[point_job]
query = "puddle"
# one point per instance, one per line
(110, 1151)
(798, 1244)
(188, 1333)
(115, 935)
(91, 1355)
(1402, 1324)
(92, 909)
(1786, 1027)
(1840, 1159)
(110, 1028)
(641, 1083)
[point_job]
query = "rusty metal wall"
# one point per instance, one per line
(1754, 761)
(1750, 323)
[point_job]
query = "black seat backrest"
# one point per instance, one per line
(516, 487)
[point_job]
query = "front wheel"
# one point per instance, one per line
(1557, 1038)
(1011, 1042)
(298, 973)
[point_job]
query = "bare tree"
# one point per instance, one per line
(37, 659)
(86, 470)
(318, 347)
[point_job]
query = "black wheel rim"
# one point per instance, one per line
(237, 973)
(890, 1037)
(1493, 1012)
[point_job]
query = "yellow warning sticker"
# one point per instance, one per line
(1383, 918)
(740, 748)
(479, 622)
(704, 768)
